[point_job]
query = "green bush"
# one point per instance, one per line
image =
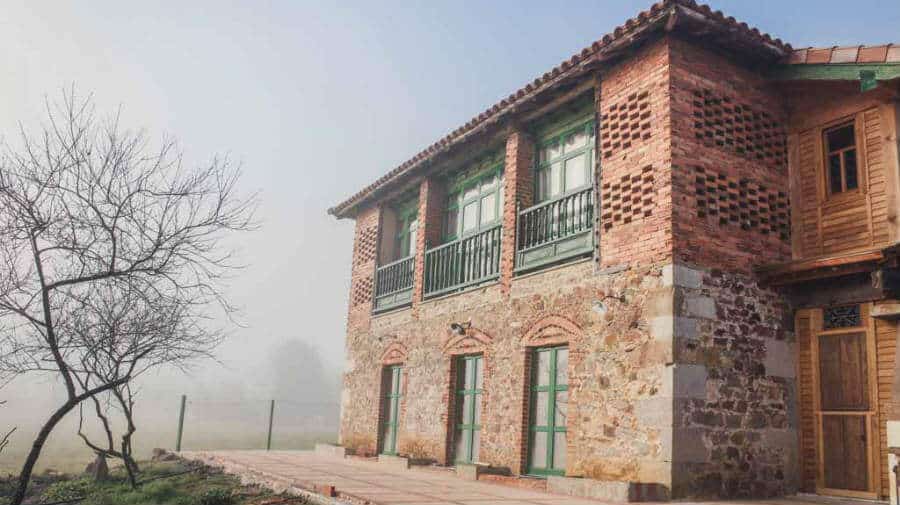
(68, 490)
(216, 496)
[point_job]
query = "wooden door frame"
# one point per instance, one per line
(873, 443)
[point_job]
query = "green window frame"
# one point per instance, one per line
(391, 395)
(479, 189)
(469, 388)
(564, 160)
(407, 228)
(547, 450)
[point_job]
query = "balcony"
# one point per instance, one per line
(555, 230)
(394, 284)
(463, 263)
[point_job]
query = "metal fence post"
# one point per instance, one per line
(271, 415)
(180, 424)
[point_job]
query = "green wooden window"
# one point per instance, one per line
(549, 406)
(564, 161)
(390, 385)
(475, 201)
(469, 386)
(407, 227)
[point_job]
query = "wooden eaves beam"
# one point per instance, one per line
(868, 74)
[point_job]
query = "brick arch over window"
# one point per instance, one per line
(551, 330)
(395, 354)
(473, 341)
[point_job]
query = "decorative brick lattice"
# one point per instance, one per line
(362, 291)
(737, 127)
(628, 199)
(625, 122)
(366, 246)
(742, 202)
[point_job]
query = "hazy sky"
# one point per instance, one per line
(320, 98)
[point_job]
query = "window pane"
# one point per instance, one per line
(395, 386)
(489, 184)
(840, 138)
(465, 411)
(479, 373)
(477, 404)
(555, 182)
(541, 408)
(562, 408)
(543, 184)
(539, 450)
(559, 451)
(576, 141)
(543, 368)
(470, 216)
(470, 373)
(834, 172)
(413, 229)
(850, 169)
(562, 366)
(576, 175)
(461, 439)
(471, 192)
(451, 222)
(476, 444)
(386, 438)
(550, 152)
(488, 208)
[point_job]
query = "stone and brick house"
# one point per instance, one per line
(671, 259)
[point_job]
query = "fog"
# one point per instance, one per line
(316, 99)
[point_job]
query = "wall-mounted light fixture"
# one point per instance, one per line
(460, 328)
(601, 308)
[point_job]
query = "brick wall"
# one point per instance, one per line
(729, 164)
(634, 156)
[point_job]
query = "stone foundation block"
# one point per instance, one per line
(469, 471)
(609, 491)
(394, 462)
(330, 450)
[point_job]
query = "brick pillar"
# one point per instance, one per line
(432, 198)
(362, 277)
(518, 188)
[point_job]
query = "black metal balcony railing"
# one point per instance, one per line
(555, 230)
(463, 262)
(394, 284)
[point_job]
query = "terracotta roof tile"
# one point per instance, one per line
(893, 54)
(844, 54)
(889, 53)
(872, 54)
(643, 18)
(818, 56)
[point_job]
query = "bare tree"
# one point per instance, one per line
(4, 440)
(91, 214)
(137, 324)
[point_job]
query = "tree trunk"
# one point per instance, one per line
(36, 447)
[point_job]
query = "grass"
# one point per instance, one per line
(165, 483)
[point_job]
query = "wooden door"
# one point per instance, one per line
(845, 402)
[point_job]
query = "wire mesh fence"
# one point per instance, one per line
(276, 424)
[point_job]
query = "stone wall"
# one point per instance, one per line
(618, 373)
(735, 418)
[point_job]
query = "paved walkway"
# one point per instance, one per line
(380, 484)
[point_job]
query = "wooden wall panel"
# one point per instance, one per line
(804, 322)
(885, 342)
(807, 166)
(859, 220)
(873, 138)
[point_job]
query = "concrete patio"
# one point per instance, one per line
(363, 481)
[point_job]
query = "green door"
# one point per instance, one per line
(469, 385)
(390, 385)
(549, 402)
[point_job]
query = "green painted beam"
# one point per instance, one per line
(867, 73)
